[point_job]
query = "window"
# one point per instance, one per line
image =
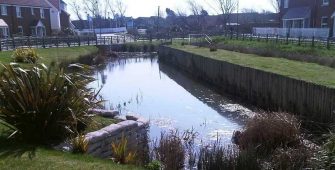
(32, 11)
(42, 13)
(3, 10)
(325, 2)
(20, 30)
(18, 12)
(324, 22)
(286, 2)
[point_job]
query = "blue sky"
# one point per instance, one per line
(136, 8)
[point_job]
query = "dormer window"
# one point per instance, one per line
(18, 12)
(4, 10)
(325, 2)
(42, 13)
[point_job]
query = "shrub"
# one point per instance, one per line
(79, 144)
(213, 48)
(120, 153)
(43, 105)
(229, 157)
(145, 48)
(170, 151)
(291, 158)
(152, 48)
(154, 165)
(266, 132)
(25, 55)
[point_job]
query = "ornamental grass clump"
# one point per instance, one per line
(44, 105)
(25, 55)
(268, 131)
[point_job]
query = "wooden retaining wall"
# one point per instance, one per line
(267, 90)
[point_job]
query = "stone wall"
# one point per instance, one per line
(267, 90)
(134, 129)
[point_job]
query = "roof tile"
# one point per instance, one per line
(33, 3)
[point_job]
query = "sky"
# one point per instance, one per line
(145, 8)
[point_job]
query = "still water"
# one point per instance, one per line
(169, 98)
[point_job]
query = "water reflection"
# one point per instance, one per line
(168, 98)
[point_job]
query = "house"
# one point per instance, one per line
(32, 17)
(59, 17)
(308, 14)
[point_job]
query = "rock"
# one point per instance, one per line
(65, 147)
(104, 113)
(132, 117)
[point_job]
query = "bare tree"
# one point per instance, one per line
(76, 9)
(275, 4)
(91, 7)
(227, 7)
(199, 12)
(194, 7)
(121, 8)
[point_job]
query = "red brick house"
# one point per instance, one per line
(25, 17)
(33, 17)
(308, 14)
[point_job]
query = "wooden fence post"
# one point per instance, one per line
(88, 40)
(0, 44)
(43, 42)
(267, 37)
(96, 39)
(287, 36)
(328, 43)
(313, 41)
(104, 40)
(13, 43)
(79, 43)
(299, 41)
(57, 43)
(111, 40)
(277, 37)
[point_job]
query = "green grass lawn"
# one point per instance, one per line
(319, 51)
(53, 54)
(309, 72)
(15, 155)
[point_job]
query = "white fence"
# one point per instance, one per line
(103, 30)
(294, 32)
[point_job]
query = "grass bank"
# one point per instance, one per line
(19, 155)
(54, 54)
(308, 72)
(271, 48)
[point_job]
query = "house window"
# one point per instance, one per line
(32, 11)
(3, 10)
(42, 13)
(324, 22)
(18, 12)
(20, 30)
(286, 2)
(325, 2)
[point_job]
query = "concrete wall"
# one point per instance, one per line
(134, 130)
(257, 87)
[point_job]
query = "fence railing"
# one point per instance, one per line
(194, 38)
(54, 42)
(294, 32)
(328, 43)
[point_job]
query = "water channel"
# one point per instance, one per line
(169, 98)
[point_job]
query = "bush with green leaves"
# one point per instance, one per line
(25, 55)
(43, 105)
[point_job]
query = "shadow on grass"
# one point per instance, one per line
(13, 148)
